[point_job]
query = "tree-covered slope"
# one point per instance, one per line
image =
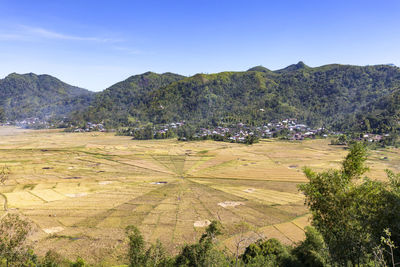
(321, 96)
(126, 101)
(223, 97)
(380, 116)
(329, 93)
(318, 96)
(30, 95)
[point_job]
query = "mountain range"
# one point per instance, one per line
(336, 96)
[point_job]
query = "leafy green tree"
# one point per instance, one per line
(353, 165)
(13, 240)
(136, 246)
(271, 252)
(79, 263)
(329, 199)
(52, 259)
(30, 259)
(251, 139)
(377, 209)
(351, 213)
(2, 114)
(390, 140)
(204, 253)
(341, 140)
(312, 251)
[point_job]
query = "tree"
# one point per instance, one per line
(78, 263)
(312, 251)
(13, 240)
(136, 246)
(2, 114)
(377, 209)
(270, 252)
(251, 139)
(351, 213)
(156, 255)
(353, 165)
(52, 259)
(327, 195)
(203, 253)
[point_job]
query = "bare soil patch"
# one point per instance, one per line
(202, 223)
(230, 204)
(249, 190)
(76, 195)
(105, 182)
(53, 230)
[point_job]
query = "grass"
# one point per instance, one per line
(28, 186)
(94, 186)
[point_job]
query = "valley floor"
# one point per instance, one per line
(82, 189)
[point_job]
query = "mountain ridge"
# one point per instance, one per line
(328, 95)
(316, 95)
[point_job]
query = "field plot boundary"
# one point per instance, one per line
(94, 186)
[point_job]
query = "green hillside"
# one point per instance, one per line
(124, 102)
(381, 116)
(321, 96)
(30, 95)
(335, 96)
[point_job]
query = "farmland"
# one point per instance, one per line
(82, 189)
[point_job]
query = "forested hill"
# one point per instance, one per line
(323, 95)
(30, 95)
(126, 101)
(380, 116)
(337, 96)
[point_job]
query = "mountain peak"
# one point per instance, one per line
(293, 67)
(259, 68)
(301, 65)
(147, 73)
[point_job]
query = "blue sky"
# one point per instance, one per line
(94, 44)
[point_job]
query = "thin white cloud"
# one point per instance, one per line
(28, 33)
(44, 33)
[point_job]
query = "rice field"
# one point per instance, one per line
(80, 190)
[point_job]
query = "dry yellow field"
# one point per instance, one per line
(82, 189)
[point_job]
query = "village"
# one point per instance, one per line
(90, 127)
(287, 129)
(29, 123)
